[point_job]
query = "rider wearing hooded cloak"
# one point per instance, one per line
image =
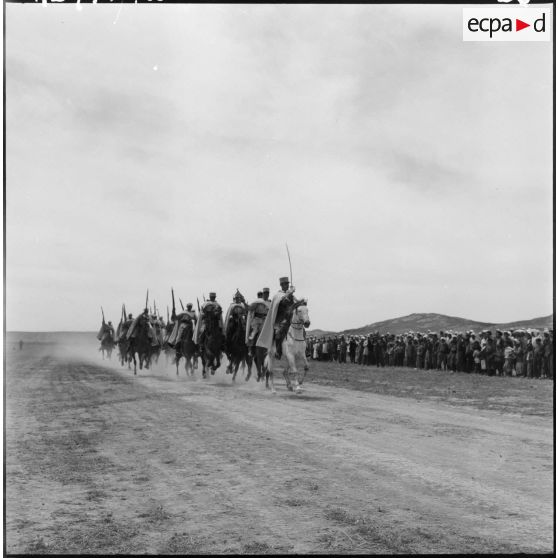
(107, 330)
(180, 323)
(257, 312)
(147, 321)
(124, 327)
(237, 307)
(276, 323)
(208, 306)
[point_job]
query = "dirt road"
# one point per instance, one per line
(100, 461)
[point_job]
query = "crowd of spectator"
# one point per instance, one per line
(522, 352)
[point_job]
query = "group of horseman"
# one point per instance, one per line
(266, 322)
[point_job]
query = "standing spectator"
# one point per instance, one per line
(489, 354)
(409, 352)
(498, 358)
(469, 362)
(365, 351)
(443, 351)
(519, 356)
(419, 352)
(334, 354)
(538, 354)
(352, 349)
(509, 360)
(342, 348)
(379, 351)
(528, 355)
(316, 348)
(325, 349)
(547, 347)
(477, 358)
(452, 355)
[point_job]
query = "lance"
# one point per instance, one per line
(125, 315)
(168, 314)
(146, 298)
(154, 306)
(180, 300)
(173, 306)
(102, 311)
(198, 301)
(290, 266)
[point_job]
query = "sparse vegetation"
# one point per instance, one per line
(507, 395)
(182, 543)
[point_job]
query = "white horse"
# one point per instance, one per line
(294, 348)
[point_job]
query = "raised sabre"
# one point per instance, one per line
(102, 311)
(180, 300)
(290, 266)
(146, 298)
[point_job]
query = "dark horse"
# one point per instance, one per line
(124, 351)
(107, 344)
(141, 344)
(257, 358)
(235, 345)
(212, 341)
(188, 349)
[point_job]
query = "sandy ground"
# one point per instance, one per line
(100, 461)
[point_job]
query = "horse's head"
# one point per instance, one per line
(300, 313)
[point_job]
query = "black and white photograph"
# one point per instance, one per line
(279, 278)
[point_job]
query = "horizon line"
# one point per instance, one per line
(318, 328)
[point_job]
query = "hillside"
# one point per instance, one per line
(437, 322)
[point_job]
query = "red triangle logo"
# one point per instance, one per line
(519, 25)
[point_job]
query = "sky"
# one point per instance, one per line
(156, 146)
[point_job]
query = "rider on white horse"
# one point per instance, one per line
(276, 323)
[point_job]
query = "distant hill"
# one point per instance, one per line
(436, 322)
(320, 333)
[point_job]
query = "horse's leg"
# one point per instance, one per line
(269, 384)
(204, 372)
(290, 365)
(249, 362)
(306, 367)
(236, 367)
(177, 361)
